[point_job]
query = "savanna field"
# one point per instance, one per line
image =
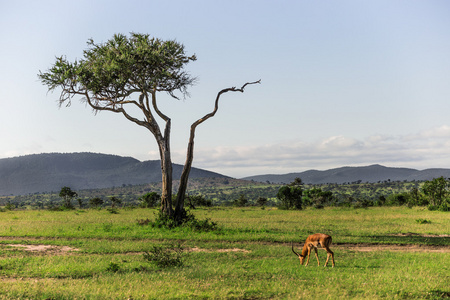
(380, 253)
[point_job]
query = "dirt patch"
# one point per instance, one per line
(44, 248)
(422, 235)
(403, 248)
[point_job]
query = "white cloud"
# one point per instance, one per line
(426, 149)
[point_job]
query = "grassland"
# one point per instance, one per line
(380, 253)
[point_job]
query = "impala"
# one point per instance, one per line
(318, 240)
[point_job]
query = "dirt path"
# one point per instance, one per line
(44, 248)
(363, 247)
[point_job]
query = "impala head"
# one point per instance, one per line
(302, 258)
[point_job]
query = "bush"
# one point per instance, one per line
(59, 208)
(318, 206)
(317, 198)
(112, 210)
(149, 200)
(443, 207)
(380, 201)
(362, 203)
(242, 201)
(397, 199)
(95, 202)
(165, 256)
(9, 206)
(188, 221)
(423, 221)
(113, 267)
(261, 201)
(198, 200)
(290, 197)
(143, 222)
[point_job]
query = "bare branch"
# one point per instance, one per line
(116, 110)
(216, 106)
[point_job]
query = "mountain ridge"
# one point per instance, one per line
(37, 173)
(371, 174)
(47, 172)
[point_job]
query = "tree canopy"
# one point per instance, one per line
(111, 72)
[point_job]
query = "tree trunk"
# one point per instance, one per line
(166, 171)
(179, 209)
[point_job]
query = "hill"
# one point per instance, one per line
(373, 173)
(49, 172)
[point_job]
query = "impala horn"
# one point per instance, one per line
(294, 250)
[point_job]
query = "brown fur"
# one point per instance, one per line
(318, 240)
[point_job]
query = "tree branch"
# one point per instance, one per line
(117, 110)
(155, 106)
(190, 150)
(216, 106)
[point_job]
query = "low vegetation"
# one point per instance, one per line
(390, 239)
(394, 252)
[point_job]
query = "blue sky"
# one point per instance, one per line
(344, 83)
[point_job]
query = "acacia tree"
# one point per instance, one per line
(67, 194)
(126, 73)
(291, 195)
(437, 190)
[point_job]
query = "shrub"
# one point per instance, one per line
(95, 202)
(9, 206)
(362, 203)
(317, 198)
(423, 221)
(261, 201)
(241, 201)
(380, 201)
(165, 256)
(59, 208)
(397, 199)
(198, 200)
(188, 221)
(113, 267)
(444, 207)
(290, 197)
(143, 222)
(149, 200)
(113, 210)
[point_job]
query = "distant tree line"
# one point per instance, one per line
(434, 194)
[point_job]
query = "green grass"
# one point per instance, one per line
(110, 264)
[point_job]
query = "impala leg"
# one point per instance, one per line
(317, 256)
(328, 257)
(329, 253)
(332, 258)
(309, 252)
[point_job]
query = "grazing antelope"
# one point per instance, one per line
(318, 240)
